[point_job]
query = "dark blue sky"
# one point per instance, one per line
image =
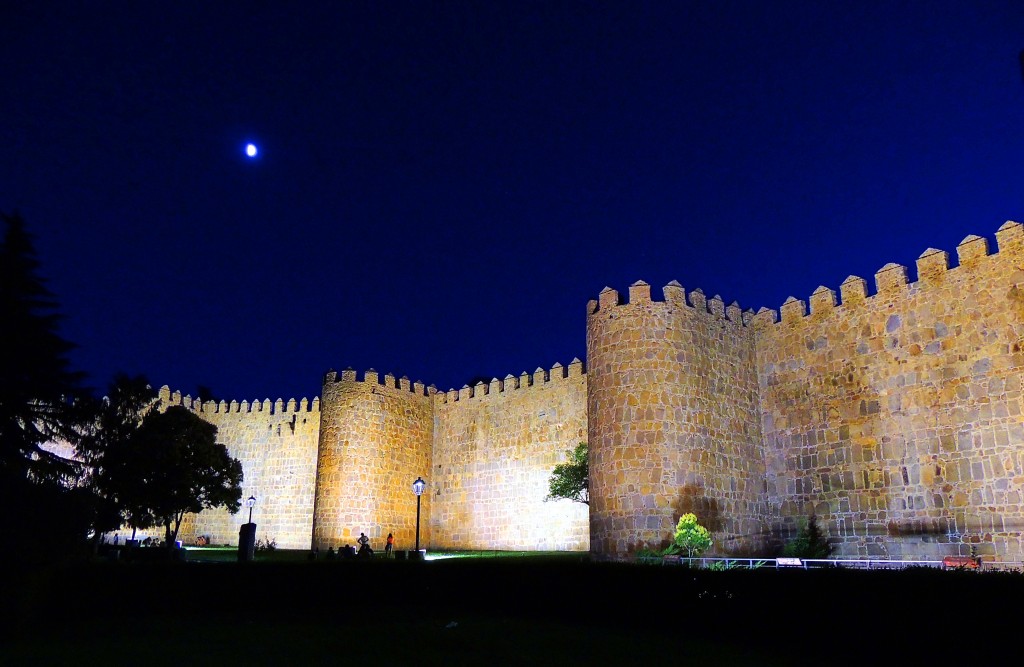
(442, 186)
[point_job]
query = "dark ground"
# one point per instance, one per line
(504, 611)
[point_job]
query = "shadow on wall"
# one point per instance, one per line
(727, 541)
(941, 527)
(691, 499)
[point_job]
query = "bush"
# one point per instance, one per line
(269, 545)
(646, 554)
(809, 543)
(690, 537)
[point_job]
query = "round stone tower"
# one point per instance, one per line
(673, 425)
(375, 440)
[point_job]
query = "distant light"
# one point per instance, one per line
(250, 150)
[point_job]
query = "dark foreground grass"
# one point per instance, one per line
(502, 611)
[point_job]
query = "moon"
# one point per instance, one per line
(250, 150)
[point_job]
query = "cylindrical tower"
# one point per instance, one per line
(375, 440)
(673, 425)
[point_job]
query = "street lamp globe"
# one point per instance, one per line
(250, 503)
(418, 485)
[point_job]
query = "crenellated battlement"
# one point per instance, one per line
(890, 410)
(266, 406)
(673, 295)
(372, 377)
(539, 378)
(892, 281)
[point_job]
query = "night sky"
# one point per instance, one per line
(441, 187)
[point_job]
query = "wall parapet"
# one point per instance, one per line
(538, 378)
(372, 377)
(891, 280)
(675, 295)
(266, 406)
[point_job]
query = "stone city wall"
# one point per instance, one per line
(495, 446)
(674, 423)
(375, 440)
(276, 443)
(895, 417)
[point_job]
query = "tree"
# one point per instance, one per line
(176, 466)
(113, 422)
(690, 537)
(205, 394)
(37, 385)
(809, 543)
(38, 487)
(572, 480)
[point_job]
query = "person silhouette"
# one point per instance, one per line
(389, 545)
(364, 545)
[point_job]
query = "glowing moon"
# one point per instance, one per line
(250, 150)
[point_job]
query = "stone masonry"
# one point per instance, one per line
(894, 417)
(674, 424)
(277, 445)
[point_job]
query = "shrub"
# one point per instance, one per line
(809, 543)
(690, 537)
(646, 554)
(269, 545)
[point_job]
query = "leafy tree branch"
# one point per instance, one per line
(571, 480)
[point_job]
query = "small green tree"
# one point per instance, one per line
(690, 537)
(809, 543)
(571, 480)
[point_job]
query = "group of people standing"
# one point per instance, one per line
(364, 544)
(364, 548)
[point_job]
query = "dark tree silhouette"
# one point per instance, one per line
(477, 379)
(37, 385)
(113, 422)
(204, 394)
(171, 466)
(39, 490)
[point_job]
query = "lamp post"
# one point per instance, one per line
(417, 488)
(247, 535)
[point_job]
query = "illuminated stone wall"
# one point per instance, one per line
(674, 423)
(495, 446)
(276, 443)
(896, 417)
(375, 439)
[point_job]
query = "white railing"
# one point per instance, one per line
(818, 563)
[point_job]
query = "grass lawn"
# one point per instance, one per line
(230, 555)
(492, 609)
